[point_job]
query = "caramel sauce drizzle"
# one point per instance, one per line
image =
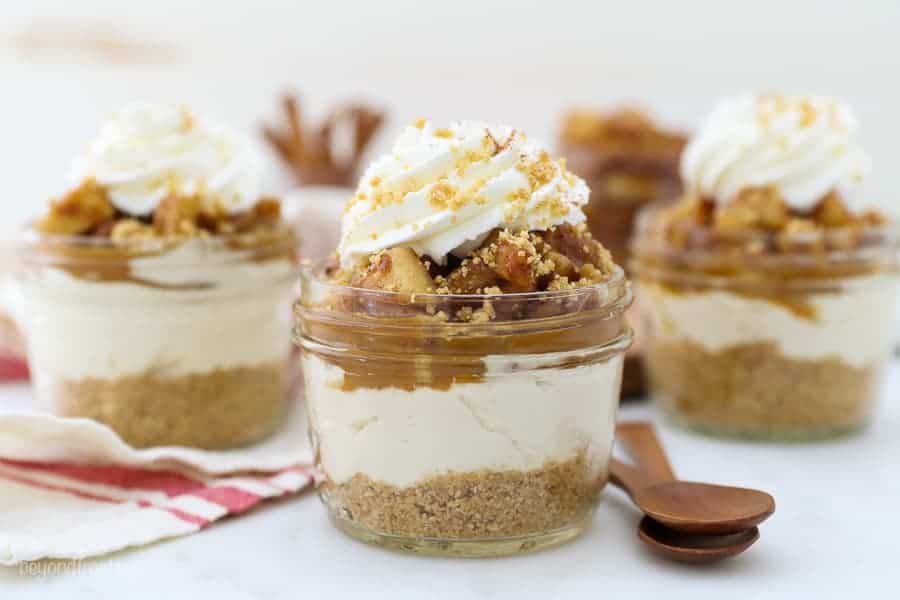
(381, 353)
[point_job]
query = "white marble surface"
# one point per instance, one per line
(832, 536)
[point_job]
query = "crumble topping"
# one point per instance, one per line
(542, 171)
(771, 106)
(699, 222)
(442, 194)
(87, 210)
(563, 257)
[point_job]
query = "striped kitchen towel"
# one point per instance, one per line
(71, 488)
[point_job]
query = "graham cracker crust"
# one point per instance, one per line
(220, 409)
(751, 390)
(473, 505)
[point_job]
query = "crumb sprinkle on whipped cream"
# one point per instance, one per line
(442, 190)
(146, 152)
(804, 146)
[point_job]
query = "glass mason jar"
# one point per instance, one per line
(467, 425)
(168, 342)
(781, 345)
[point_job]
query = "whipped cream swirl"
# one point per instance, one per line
(442, 190)
(146, 152)
(806, 147)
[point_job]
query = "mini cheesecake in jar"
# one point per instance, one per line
(768, 291)
(463, 358)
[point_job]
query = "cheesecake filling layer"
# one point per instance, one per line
(175, 315)
(518, 421)
(851, 325)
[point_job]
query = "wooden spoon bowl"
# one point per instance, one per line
(704, 508)
(689, 506)
(696, 549)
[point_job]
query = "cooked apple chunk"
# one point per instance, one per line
(473, 276)
(80, 211)
(395, 270)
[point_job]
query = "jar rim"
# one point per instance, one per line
(322, 300)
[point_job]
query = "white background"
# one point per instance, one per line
(63, 65)
(520, 62)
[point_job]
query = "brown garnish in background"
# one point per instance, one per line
(628, 161)
(308, 151)
(626, 135)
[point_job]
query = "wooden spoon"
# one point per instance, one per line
(645, 448)
(685, 506)
(685, 547)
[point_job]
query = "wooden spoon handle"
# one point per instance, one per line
(628, 478)
(641, 441)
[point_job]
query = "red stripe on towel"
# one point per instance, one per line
(13, 368)
(231, 498)
(184, 516)
(167, 482)
(57, 488)
(193, 519)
